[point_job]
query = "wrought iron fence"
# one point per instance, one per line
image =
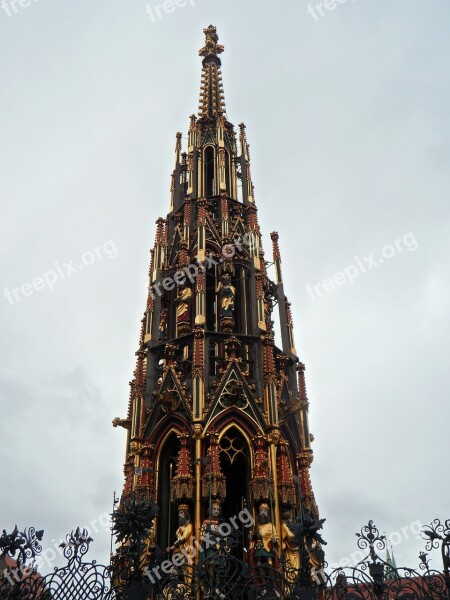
(142, 571)
(377, 579)
(78, 579)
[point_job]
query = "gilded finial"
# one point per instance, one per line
(211, 47)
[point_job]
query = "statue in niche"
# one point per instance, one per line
(183, 546)
(163, 325)
(214, 542)
(290, 553)
(214, 552)
(264, 544)
(183, 302)
(227, 294)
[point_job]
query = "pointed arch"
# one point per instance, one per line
(162, 428)
(209, 171)
(233, 416)
(291, 431)
(165, 469)
(228, 184)
(241, 283)
(236, 463)
(243, 432)
(292, 444)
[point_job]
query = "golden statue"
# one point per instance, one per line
(211, 47)
(149, 548)
(227, 294)
(290, 553)
(183, 303)
(163, 325)
(184, 542)
(263, 547)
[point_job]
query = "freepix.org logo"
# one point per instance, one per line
(50, 278)
(157, 11)
(317, 10)
(362, 266)
(12, 7)
(192, 270)
(186, 555)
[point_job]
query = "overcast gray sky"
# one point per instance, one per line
(347, 117)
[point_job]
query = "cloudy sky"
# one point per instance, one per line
(347, 117)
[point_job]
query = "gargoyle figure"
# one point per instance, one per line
(311, 528)
(118, 422)
(308, 527)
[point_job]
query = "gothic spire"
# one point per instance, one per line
(208, 365)
(212, 100)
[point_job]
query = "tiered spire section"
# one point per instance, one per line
(217, 410)
(212, 99)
